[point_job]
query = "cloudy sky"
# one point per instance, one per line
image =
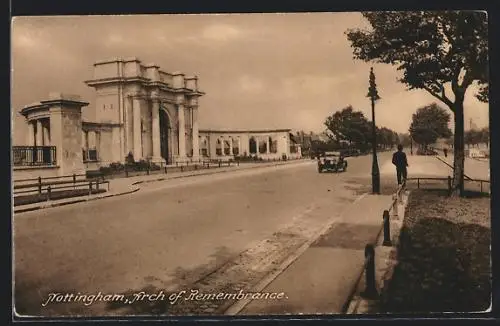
(258, 70)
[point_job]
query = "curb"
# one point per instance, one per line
(209, 173)
(359, 305)
(81, 200)
(269, 278)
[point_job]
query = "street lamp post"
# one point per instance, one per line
(373, 95)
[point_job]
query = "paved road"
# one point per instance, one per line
(175, 232)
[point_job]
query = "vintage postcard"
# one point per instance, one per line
(250, 164)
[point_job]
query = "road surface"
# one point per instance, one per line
(220, 231)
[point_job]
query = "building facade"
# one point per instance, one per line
(265, 144)
(140, 111)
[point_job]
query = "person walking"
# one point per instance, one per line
(401, 163)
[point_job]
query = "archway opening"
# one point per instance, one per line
(165, 131)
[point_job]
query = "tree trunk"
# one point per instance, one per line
(458, 148)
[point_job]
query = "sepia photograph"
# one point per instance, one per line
(283, 164)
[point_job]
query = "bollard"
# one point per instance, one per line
(394, 206)
(90, 188)
(449, 185)
(418, 183)
(49, 192)
(74, 179)
(182, 168)
(220, 162)
(126, 171)
(387, 229)
(370, 289)
(166, 170)
(39, 185)
(97, 185)
(147, 169)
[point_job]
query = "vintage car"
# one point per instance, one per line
(332, 161)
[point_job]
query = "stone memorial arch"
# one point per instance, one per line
(143, 110)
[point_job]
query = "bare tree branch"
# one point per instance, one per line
(439, 97)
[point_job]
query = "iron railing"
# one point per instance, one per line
(34, 155)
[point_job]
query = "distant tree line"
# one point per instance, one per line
(350, 129)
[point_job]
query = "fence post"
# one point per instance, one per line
(39, 185)
(90, 188)
(418, 183)
(74, 179)
(49, 192)
(449, 185)
(481, 182)
(387, 229)
(370, 289)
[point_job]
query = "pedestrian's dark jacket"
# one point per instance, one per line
(399, 160)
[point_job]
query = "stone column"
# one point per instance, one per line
(39, 133)
(46, 135)
(155, 134)
(230, 146)
(267, 147)
(196, 140)
(182, 132)
(136, 108)
(30, 141)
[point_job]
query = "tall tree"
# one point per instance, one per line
(428, 124)
(434, 50)
(348, 125)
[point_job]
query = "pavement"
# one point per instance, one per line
(473, 168)
(123, 186)
(324, 274)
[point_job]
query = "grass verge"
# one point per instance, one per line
(444, 255)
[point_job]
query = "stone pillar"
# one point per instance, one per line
(66, 132)
(267, 147)
(30, 141)
(196, 140)
(137, 130)
(155, 134)
(39, 133)
(230, 146)
(182, 132)
(46, 135)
